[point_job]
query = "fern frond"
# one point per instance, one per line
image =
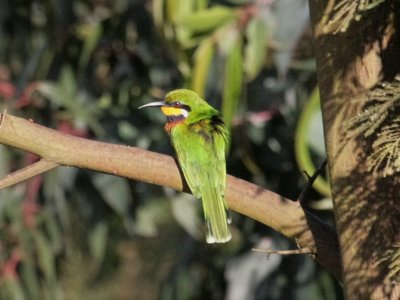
(381, 101)
(345, 12)
(392, 258)
(386, 150)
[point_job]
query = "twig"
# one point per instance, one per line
(305, 250)
(28, 172)
(304, 193)
(299, 250)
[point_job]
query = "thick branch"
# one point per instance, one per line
(246, 198)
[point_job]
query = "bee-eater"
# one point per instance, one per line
(199, 138)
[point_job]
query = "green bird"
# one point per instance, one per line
(199, 138)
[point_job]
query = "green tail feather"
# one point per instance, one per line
(216, 215)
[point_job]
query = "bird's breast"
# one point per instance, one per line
(172, 121)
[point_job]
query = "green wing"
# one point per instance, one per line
(201, 155)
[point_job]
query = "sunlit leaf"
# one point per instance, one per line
(177, 9)
(316, 138)
(202, 61)
(67, 83)
(233, 77)
(208, 19)
(90, 34)
(158, 12)
(323, 204)
(201, 4)
(145, 221)
(51, 91)
(306, 131)
(255, 50)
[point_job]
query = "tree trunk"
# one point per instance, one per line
(354, 57)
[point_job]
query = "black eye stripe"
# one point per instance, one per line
(178, 104)
(186, 107)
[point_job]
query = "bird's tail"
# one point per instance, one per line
(216, 215)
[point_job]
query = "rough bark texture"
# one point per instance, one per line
(350, 62)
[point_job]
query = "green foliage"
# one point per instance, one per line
(255, 50)
(203, 58)
(310, 138)
(232, 86)
(217, 33)
(206, 20)
(83, 68)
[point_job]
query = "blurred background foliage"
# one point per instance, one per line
(83, 67)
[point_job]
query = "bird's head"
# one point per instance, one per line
(180, 105)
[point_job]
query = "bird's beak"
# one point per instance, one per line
(153, 104)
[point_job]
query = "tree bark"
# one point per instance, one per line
(352, 58)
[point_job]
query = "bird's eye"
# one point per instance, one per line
(176, 104)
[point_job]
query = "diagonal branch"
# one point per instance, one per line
(281, 214)
(26, 173)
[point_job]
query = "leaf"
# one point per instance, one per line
(305, 132)
(45, 255)
(98, 238)
(315, 134)
(145, 222)
(207, 20)
(51, 91)
(54, 231)
(178, 9)
(116, 193)
(255, 50)
(202, 61)
(90, 34)
(55, 186)
(232, 81)
(68, 84)
(13, 288)
(201, 4)
(29, 277)
(78, 103)
(158, 12)
(185, 209)
(127, 131)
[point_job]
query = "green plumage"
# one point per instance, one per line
(200, 138)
